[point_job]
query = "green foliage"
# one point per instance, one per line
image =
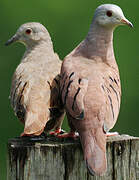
(68, 23)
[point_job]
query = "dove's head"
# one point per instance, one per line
(110, 15)
(30, 34)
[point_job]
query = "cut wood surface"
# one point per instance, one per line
(55, 159)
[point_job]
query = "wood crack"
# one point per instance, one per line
(113, 161)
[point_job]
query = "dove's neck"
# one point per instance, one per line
(98, 44)
(36, 52)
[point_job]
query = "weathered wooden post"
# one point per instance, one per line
(54, 159)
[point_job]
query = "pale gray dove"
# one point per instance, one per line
(35, 85)
(90, 86)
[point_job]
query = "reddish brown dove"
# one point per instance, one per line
(90, 86)
(35, 85)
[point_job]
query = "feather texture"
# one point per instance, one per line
(35, 87)
(90, 87)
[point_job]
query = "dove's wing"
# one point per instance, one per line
(92, 101)
(34, 95)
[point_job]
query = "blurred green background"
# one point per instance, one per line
(68, 23)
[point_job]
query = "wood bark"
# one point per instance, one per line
(54, 159)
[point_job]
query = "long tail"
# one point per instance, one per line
(94, 148)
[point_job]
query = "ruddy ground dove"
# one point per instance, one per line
(35, 85)
(90, 86)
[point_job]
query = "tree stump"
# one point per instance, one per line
(54, 159)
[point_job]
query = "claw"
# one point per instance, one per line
(32, 137)
(108, 134)
(73, 135)
(57, 131)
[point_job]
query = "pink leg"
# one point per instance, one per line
(73, 135)
(108, 134)
(56, 131)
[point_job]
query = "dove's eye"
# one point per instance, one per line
(109, 13)
(28, 31)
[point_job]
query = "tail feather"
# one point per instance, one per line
(94, 148)
(35, 121)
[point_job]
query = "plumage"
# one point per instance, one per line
(90, 86)
(35, 84)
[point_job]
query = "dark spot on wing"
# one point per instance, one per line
(56, 81)
(59, 75)
(71, 75)
(49, 84)
(63, 85)
(22, 91)
(79, 80)
(111, 106)
(110, 78)
(115, 93)
(78, 90)
(20, 112)
(103, 87)
(55, 112)
(81, 116)
(115, 81)
(16, 90)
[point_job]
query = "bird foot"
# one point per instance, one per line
(57, 131)
(33, 137)
(25, 135)
(73, 135)
(108, 134)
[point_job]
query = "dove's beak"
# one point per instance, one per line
(126, 22)
(13, 39)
